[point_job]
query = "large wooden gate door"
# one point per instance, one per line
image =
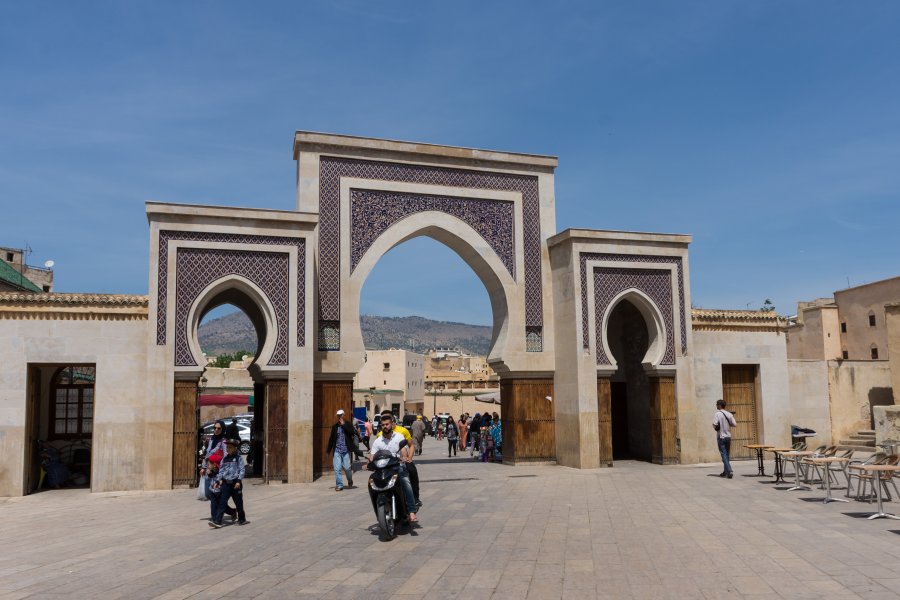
(184, 441)
(328, 397)
(739, 393)
(529, 424)
(276, 431)
(32, 430)
(663, 421)
(604, 416)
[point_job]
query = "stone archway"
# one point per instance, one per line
(495, 209)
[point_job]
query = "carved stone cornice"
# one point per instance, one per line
(737, 320)
(73, 307)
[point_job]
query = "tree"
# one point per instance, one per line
(223, 361)
(768, 306)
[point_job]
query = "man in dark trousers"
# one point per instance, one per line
(342, 442)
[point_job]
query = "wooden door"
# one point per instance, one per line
(604, 416)
(739, 393)
(276, 434)
(31, 466)
(184, 441)
(328, 397)
(529, 423)
(663, 421)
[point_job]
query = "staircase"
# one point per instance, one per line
(861, 441)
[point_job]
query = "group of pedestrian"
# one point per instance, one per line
(222, 475)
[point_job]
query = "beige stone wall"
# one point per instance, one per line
(855, 305)
(405, 372)
(816, 336)
(118, 349)
(712, 349)
(809, 406)
(854, 387)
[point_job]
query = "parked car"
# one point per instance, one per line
(243, 430)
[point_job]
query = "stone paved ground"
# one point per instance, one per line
(635, 531)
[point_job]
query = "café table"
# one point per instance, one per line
(779, 463)
(826, 461)
(759, 457)
(876, 471)
(796, 455)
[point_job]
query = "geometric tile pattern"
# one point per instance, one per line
(656, 283)
(199, 267)
(633, 258)
(333, 169)
(372, 212)
(252, 242)
(329, 335)
(534, 339)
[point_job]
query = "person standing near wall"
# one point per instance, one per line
(342, 443)
(723, 421)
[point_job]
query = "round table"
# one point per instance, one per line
(796, 455)
(779, 466)
(876, 471)
(825, 461)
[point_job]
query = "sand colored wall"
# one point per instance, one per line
(854, 387)
(118, 350)
(712, 349)
(854, 305)
(817, 337)
(809, 406)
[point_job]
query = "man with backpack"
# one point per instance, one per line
(723, 421)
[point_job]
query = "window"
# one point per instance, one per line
(871, 319)
(72, 405)
(874, 353)
(387, 366)
(845, 355)
(46, 288)
(9, 257)
(843, 328)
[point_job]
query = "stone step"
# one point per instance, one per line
(858, 443)
(856, 448)
(866, 432)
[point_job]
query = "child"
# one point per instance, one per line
(228, 484)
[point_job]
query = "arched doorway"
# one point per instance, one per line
(629, 385)
(60, 426)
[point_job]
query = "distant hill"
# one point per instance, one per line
(234, 332)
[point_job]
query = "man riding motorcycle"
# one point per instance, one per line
(410, 465)
(390, 440)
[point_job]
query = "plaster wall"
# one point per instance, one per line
(228, 378)
(817, 337)
(406, 372)
(808, 398)
(892, 318)
(712, 349)
(118, 350)
(854, 387)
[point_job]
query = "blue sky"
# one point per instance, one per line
(768, 130)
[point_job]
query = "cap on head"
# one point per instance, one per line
(340, 412)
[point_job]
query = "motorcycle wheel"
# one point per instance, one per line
(386, 521)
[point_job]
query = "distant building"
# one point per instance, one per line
(850, 326)
(16, 276)
(390, 379)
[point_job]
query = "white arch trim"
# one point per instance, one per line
(656, 326)
(255, 295)
(459, 237)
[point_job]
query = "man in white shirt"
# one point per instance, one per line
(390, 440)
(723, 421)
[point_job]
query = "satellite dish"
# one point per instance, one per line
(49, 264)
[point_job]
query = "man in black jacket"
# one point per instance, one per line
(342, 442)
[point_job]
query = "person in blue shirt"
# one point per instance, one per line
(229, 484)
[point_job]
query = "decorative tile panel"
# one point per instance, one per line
(373, 212)
(534, 339)
(253, 242)
(196, 268)
(656, 283)
(633, 258)
(332, 169)
(329, 335)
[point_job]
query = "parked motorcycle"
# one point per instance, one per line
(386, 492)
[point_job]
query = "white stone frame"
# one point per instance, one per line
(255, 294)
(656, 326)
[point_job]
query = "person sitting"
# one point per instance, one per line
(410, 466)
(391, 440)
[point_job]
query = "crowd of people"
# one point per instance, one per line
(223, 467)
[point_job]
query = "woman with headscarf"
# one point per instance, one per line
(463, 432)
(215, 449)
(475, 429)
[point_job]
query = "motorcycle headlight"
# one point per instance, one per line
(382, 462)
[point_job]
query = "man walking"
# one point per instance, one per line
(342, 443)
(723, 421)
(417, 429)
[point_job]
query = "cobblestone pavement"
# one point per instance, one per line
(487, 531)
